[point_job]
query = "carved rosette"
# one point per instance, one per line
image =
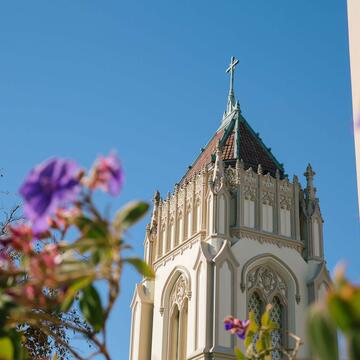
(180, 292)
(249, 193)
(267, 281)
(285, 202)
(268, 197)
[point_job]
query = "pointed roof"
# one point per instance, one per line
(236, 140)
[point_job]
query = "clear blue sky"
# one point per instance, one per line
(79, 78)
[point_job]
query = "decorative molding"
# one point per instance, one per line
(179, 249)
(261, 237)
(267, 281)
(277, 261)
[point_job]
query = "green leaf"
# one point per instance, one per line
(239, 354)
(129, 215)
(72, 291)
(322, 334)
(249, 338)
(91, 229)
(91, 308)
(6, 349)
(141, 266)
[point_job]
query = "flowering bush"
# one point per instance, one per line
(53, 274)
(257, 337)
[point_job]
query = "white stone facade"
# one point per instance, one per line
(227, 240)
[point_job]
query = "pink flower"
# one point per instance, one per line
(106, 174)
(43, 265)
(236, 326)
(21, 237)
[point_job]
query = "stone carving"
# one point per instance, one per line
(267, 281)
(285, 185)
(180, 292)
(268, 182)
(268, 198)
(285, 202)
(231, 178)
(249, 193)
(250, 176)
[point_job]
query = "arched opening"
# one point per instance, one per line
(176, 318)
(189, 223)
(180, 230)
(277, 336)
(174, 334)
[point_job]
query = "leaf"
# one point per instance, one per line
(6, 349)
(72, 291)
(141, 266)
(322, 334)
(239, 354)
(91, 229)
(249, 338)
(129, 215)
(55, 357)
(91, 308)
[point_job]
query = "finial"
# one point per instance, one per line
(156, 197)
(259, 169)
(231, 103)
(277, 174)
(309, 175)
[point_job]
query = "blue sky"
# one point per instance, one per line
(147, 78)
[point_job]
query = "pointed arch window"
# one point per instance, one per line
(180, 229)
(197, 216)
(277, 316)
(189, 222)
(178, 321)
(266, 286)
(171, 243)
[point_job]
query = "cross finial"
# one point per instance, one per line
(231, 70)
(231, 104)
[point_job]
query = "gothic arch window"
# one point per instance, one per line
(197, 216)
(180, 229)
(285, 217)
(256, 305)
(189, 222)
(171, 243)
(162, 239)
(277, 316)
(249, 207)
(209, 215)
(178, 320)
(267, 286)
(267, 212)
(316, 237)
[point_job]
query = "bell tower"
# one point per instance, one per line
(234, 235)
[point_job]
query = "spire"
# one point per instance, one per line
(231, 103)
(310, 189)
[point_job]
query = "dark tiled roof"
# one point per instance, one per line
(205, 157)
(252, 151)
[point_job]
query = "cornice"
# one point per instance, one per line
(262, 237)
(179, 249)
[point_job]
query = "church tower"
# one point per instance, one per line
(234, 235)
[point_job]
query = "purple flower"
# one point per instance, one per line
(48, 186)
(107, 175)
(236, 326)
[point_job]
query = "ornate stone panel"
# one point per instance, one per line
(180, 292)
(267, 281)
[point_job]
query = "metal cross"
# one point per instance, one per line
(231, 70)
